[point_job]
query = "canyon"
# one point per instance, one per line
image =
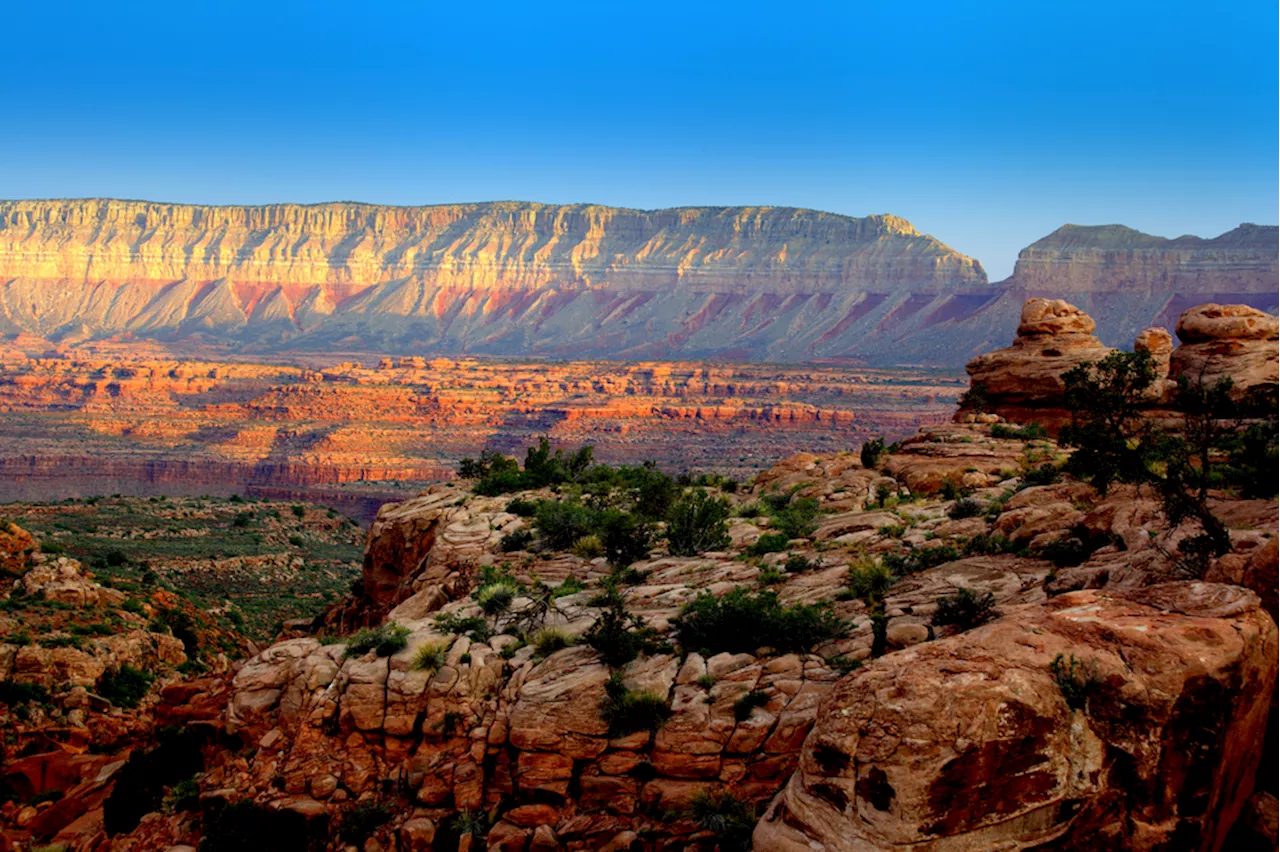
(523, 279)
(134, 419)
(948, 643)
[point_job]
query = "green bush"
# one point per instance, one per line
(1077, 680)
(518, 540)
(125, 686)
(965, 609)
(617, 636)
(626, 538)
(384, 641)
(429, 656)
(548, 640)
(183, 796)
(966, 507)
(871, 452)
(15, 693)
(628, 711)
(495, 598)
(1029, 432)
(741, 621)
(562, 522)
(769, 543)
(771, 575)
(797, 520)
(472, 626)
(588, 547)
(730, 819)
(743, 706)
(797, 564)
(1046, 474)
(523, 508)
(1108, 429)
(696, 524)
(920, 558)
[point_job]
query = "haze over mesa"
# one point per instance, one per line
(967, 119)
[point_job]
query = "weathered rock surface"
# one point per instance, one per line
(1229, 341)
(968, 742)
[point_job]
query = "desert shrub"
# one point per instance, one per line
(1108, 430)
(429, 656)
(628, 711)
(731, 819)
(751, 509)
(464, 823)
(743, 706)
(472, 626)
(966, 507)
(124, 686)
(950, 491)
(588, 547)
(562, 522)
(13, 693)
(1253, 465)
(920, 558)
(871, 452)
(869, 581)
(517, 540)
(571, 586)
(1076, 680)
(625, 537)
(797, 564)
(769, 543)
(384, 641)
(617, 636)
(359, 823)
(652, 490)
(523, 508)
(1029, 432)
(150, 775)
(965, 609)
(975, 399)
(696, 524)
(988, 545)
(1046, 474)
(771, 575)
(495, 598)
(548, 640)
(741, 621)
(797, 519)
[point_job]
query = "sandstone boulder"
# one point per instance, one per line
(1228, 341)
(971, 742)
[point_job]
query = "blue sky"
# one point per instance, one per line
(986, 124)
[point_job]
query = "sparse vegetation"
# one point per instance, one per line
(1076, 679)
(741, 621)
(429, 656)
(628, 711)
(730, 819)
(696, 523)
(743, 706)
(965, 610)
(383, 641)
(871, 452)
(125, 686)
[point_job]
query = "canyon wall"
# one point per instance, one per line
(500, 278)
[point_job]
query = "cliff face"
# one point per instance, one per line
(500, 278)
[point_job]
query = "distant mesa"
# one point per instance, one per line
(527, 279)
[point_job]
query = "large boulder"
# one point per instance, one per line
(1024, 381)
(972, 742)
(1228, 341)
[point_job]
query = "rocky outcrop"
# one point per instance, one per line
(1063, 726)
(502, 278)
(1234, 342)
(1024, 381)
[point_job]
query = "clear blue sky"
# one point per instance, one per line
(987, 124)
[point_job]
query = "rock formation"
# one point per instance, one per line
(1024, 381)
(502, 278)
(1235, 342)
(969, 742)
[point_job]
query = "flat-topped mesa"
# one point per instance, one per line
(1024, 381)
(1229, 341)
(503, 278)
